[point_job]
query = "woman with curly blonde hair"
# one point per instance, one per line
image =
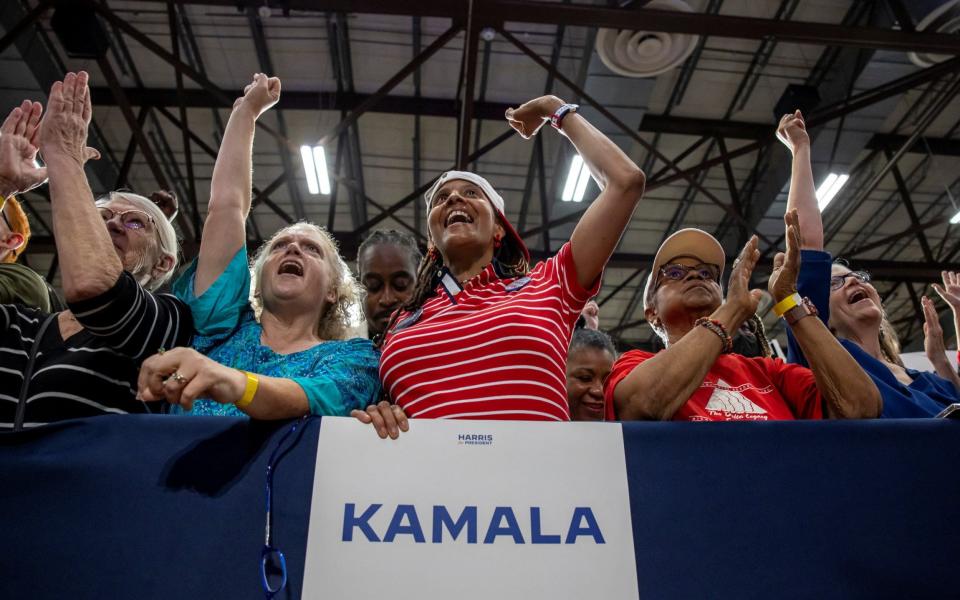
(272, 336)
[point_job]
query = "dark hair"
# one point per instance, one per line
(752, 339)
(167, 202)
(509, 257)
(380, 237)
(592, 338)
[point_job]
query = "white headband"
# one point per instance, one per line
(473, 178)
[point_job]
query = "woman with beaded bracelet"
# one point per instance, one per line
(485, 336)
(698, 378)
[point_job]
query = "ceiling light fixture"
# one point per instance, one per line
(577, 178)
(830, 187)
(315, 167)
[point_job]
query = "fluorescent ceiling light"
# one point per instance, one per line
(315, 167)
(830, 187)
(577, 178)
(955, 219)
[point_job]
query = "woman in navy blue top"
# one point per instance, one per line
(851, 306)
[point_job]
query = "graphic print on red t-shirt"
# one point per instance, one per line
(498, 352)
(736, 388)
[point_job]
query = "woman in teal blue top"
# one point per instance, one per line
(284, 351)
(851, 306)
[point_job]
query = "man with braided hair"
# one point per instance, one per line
(387, 269)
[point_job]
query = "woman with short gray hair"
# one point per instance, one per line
(84, 361)
(152, 262)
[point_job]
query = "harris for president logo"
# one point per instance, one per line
(474, 439)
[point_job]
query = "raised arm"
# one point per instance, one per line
(657, 388)
(848, 392)
(803, 192)
(18, 150)
(596, 235)
(89, 265)
(950, 293)
(224, 231)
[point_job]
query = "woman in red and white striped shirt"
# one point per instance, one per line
(485, 336)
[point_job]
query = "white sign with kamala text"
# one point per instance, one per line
(470, 510)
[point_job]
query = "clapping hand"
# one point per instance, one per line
(933, 344)
(740, 297)
(786, 265)
(18, 150)
(63, 130)
(950, 290)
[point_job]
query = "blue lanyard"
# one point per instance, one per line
(271, 558)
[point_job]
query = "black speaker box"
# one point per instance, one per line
(804, 97)
(79, 30)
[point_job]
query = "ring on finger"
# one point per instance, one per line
(177, 377)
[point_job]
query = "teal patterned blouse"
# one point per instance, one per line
(337, 376)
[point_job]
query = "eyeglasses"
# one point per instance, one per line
(678, 272)
(133, 219)
(273, 564)
(837, 281)
(3, 213)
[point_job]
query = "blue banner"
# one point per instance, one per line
(162, 507)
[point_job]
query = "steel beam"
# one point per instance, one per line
(127, 111)
(908, 204)
(391, 83)
(24, 24)
(833, 111)
(470, 44)
(629, 131)
(283, 148)
(639, 19)
(417, 193)
(131, 150)
(259, 195)
(185, 137)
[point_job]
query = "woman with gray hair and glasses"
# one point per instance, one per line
(84, 361)
(847, 301)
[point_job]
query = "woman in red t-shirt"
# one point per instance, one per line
(485, 336)
(697, 378)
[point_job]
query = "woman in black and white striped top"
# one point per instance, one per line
(84, 361)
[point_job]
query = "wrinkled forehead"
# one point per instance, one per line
(302, 234)
(838, 269)
(118, 204)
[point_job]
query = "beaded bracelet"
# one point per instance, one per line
(556, 120)
(718, 328)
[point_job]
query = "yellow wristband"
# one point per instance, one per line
(253, 382)
(787, 303)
